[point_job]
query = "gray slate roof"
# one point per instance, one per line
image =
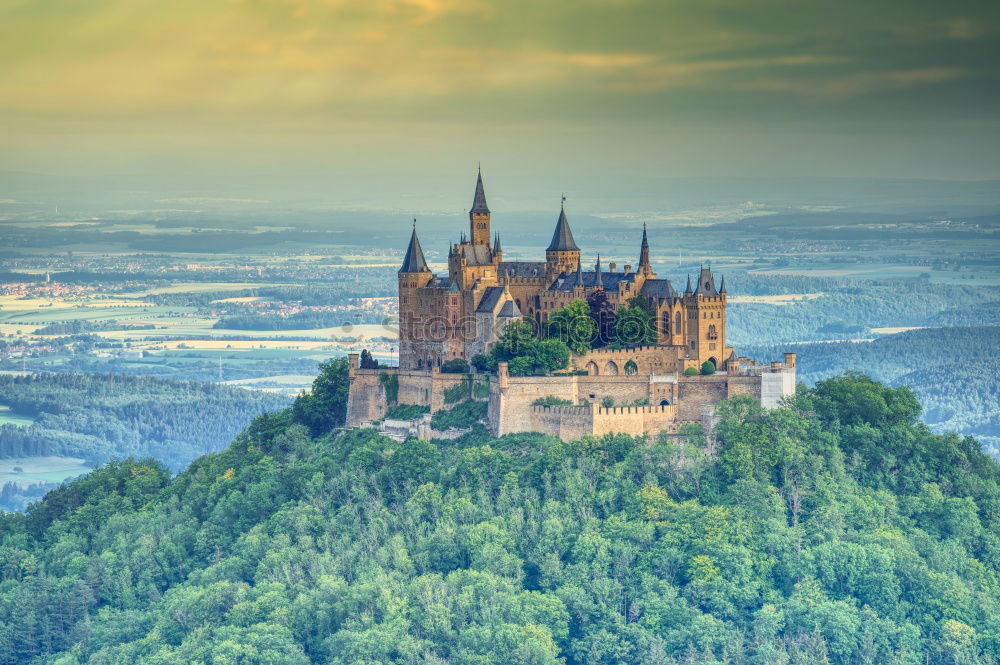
(479, 206)
(562, 238)
(522, 268)
(510, 310)
(609, 280)
(476, 255)
(658, 288)
(414, 259)
(491, 297)
(706, 284)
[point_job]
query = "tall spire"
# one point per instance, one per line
(722, 286)
(496, 245)
(414, 259)
(644, 249)
(479, 206)
(562, 238)
(579, 274)
(597, 273)
(687, 291)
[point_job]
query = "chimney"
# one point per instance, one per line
(628, 268)
(612, 266)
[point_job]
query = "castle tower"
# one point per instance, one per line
(562, 255)
(412, 276)
(706, 309)
(479, 215)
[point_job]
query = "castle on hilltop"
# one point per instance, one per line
(462, 314)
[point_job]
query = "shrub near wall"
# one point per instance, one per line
(465, 414)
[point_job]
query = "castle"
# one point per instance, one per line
(462, 314)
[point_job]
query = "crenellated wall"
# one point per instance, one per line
(671, 400)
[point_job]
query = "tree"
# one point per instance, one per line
(325, 407)
(707, 368)
(603, 314)
(635, 324)
(573, 326)
(455, 366)
(367, 360)
(691, 371)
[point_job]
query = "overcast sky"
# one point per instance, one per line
(370, 94)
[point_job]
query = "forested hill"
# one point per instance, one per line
(952, 370)
(99, 417)
(837, 530)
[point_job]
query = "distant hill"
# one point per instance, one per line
(953, 371)
(838, 530)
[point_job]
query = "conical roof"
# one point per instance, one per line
(479, 206)
(562, 238)
(414, 259)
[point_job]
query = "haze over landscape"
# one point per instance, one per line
(387, 103)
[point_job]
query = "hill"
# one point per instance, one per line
(100, 417)
(952, 371)
(837, 530)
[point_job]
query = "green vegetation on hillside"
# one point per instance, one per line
(837, 530)
(99, 417)
(953, 371)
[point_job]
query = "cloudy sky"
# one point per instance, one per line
(356, 90)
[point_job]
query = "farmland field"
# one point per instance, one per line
(48, 469)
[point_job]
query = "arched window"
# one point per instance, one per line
(677, 322)
(713, 332)
(420, 363)
(631, 368)
(666, 323)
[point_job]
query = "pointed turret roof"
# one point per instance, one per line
(414, 259)
(722, 286)
(579, 274)
(706, 283)
(479, 206)
(496, 245)
(688, 289)
(597, 273)
(644, 249)
(562, 238)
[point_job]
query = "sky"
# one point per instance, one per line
(364, 97)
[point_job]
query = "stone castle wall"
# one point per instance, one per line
(367, 401)
(673, 400)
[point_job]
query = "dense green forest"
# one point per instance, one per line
(953, 371)
(837, 530)
(100, 417)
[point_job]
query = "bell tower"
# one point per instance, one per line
(479, 215)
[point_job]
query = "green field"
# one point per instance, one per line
(40, 469)
(9, 418)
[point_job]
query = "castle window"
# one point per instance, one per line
(666, 323)
(677, 323)
(713, 332)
